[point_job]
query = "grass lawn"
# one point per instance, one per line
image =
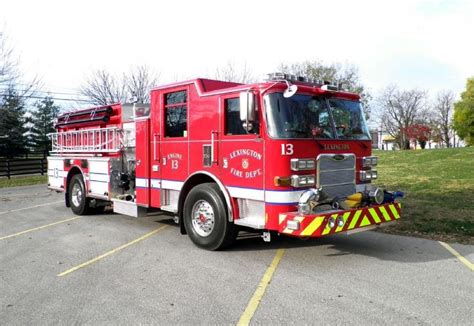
(439, 191)
(23, 180)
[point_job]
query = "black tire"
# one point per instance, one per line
(208, 198)
(77, 196)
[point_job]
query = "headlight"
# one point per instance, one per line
(298, 164)
(303, 180)
(367, 175)
(368, 161)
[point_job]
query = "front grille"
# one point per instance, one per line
(336, 174)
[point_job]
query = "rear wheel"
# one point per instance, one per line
(77, 196)
(206, 218)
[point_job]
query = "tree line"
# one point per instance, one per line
(23, 126)
(409, 116)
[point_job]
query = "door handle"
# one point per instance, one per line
(214, 153)
(156, 157)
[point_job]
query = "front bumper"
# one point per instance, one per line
(316, 225)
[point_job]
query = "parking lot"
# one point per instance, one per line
(58, 268)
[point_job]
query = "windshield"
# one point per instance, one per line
(306, 116)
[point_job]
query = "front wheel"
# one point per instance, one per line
(77, 196)
(206, 218)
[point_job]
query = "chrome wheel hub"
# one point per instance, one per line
(203, 218)
(76, 195)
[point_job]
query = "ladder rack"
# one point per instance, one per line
(99, 140)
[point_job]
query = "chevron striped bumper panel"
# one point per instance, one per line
(320, 224)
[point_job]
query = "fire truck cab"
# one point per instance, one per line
(288, 155)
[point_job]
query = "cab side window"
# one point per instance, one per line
(176, 114)
(233, 125)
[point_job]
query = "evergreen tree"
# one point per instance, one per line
(12, 124)
(463, 121)
(42, 119)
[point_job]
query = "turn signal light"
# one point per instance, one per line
(295, 181)
(282, 181)
(293, 225)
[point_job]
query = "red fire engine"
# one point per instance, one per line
(289, 155)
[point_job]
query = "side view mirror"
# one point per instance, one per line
(247, 107)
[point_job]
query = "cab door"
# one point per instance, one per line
(155, 149)
(174, 145)
(242, 158)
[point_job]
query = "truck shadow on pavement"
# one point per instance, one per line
(372, 244)
(386, 247)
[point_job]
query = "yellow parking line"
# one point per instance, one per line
(35, 206)
(457, 255)
(260, 291)
(38, 228)
(108, 253)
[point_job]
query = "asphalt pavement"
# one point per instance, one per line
(58, 268)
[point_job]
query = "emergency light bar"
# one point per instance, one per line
(279, 76)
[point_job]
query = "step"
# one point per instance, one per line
(128, 208)
(255, 222)
(169, 208)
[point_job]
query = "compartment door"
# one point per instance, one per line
(142, 171)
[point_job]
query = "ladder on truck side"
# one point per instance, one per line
(93, 141)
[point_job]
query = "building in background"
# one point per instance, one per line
(383, 141)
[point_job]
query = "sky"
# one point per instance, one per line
(413, 44)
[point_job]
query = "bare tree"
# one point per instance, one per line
(399, 109)
(443, 111)
(230, 72)
(10, 75)
(139, 82)
(347, 74)
(103, 88)
(8, 66)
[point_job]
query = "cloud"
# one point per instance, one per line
(422, 72)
